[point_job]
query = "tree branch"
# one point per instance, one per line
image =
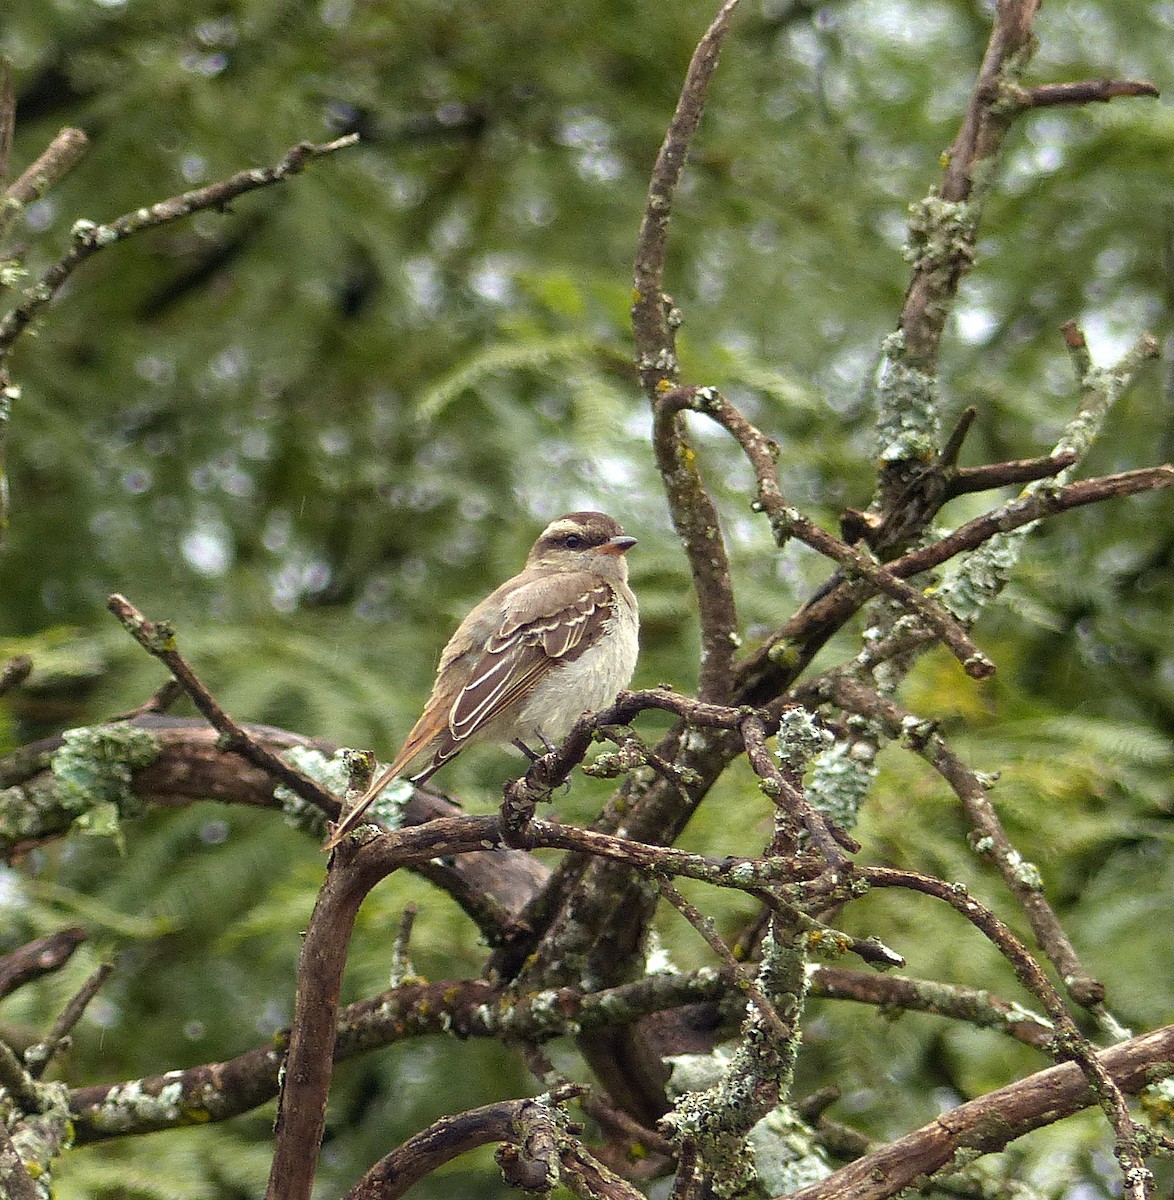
(991, 1122)
(654, 322)
(158, 639)
(40, 957)
(62, 154)
(89, 238)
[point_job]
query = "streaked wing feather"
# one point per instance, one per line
(553, 619)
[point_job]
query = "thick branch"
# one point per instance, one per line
(993, 1121)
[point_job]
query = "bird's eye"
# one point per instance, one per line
(572, 541)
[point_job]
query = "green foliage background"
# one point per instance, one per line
(314, 429)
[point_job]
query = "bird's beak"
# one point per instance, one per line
(617, 545)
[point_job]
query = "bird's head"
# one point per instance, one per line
(583, 541)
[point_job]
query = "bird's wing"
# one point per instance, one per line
(546, 620)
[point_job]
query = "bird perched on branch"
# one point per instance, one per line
(552, 642)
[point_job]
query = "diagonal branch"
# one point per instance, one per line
(158, 639)
(62, 154)
(991, 1122)
(89, 238)
(654, 322)
(1069, 1042)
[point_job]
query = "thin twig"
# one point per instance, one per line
(1028, 508)
(649, 317)
(964, 481)
(159, 701)
(809, 628)
(158, 639)
(62, 154)
(89, 238)
(1088, 91)
(730, 968)
(7, 118)
(38, 1057)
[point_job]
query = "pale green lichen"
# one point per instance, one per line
(801, 738)
(92, 773)
(786, 1155)
(941, 234)
(718, 1115)
(333, 772)
(908, 420)
(657, 960)
(1025, 873)
(841, 779)
(129, 1107)
(40, 1137)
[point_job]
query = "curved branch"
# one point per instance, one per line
(515, 1122)
(993, 1121)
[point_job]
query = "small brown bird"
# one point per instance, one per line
(556, 640)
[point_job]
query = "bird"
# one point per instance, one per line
(558, 639)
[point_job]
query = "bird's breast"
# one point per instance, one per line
(590, 681)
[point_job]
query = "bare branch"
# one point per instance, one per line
(7, 117)
(39, 1056)
(649, 316)
(38, 958)
(993, 1121)
(965, 480)
(653, 324)
(1088, 91)
(89, 238)
(62, 154)
(158, 639)
(1029, 508)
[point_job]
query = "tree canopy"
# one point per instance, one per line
(312, 426)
